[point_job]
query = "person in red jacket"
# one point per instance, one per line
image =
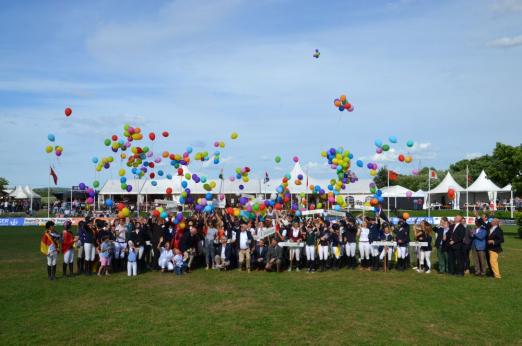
(68, 240)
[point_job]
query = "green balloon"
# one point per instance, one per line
(278, 159)
(385, 147)
(96, 184)
(107, 142)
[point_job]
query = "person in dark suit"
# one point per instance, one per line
(440, 244)
(456, 252)
(274, 256)
(259, 256)
(223, 254)
(494, 240)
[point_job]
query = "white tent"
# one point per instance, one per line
(442, 189)
(29, 192)
(483, 190)
(19, 193)
(396, 191)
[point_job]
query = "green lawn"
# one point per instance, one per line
(256, 308)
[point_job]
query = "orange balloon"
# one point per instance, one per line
(343, 98)
(405, 216)
(337, 103)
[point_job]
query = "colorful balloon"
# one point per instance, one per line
(68, 112)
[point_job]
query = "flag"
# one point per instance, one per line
(433, 174)
(55, 177)
(392, 175)
(267, 178)
(45, 243)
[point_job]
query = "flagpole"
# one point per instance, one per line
(388, 174)
(429, 189)
(49, 194)
(467, 182)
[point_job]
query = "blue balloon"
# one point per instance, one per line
(360, 163)
(169, 176)
(298, 213)
(154, 183)
(378, 143)
(94, 160)
(392, 139)
(108, 202)
(164, 215)
(184, 184)
(208, 196)
(337, 207)
(123, 180)
(160, 173)
(50, 137)
(189, 150)
(341, 108)
(350, 156)
(409, 143)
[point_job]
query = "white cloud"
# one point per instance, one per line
(506, 42)
(471, 156)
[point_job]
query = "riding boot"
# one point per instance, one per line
(71, 265)
(64, 269)
(53, 272)
(49, 272)
(79, 264)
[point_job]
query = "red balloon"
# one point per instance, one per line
(152, 136)
(169, 191)
(68, 112)
(165, 134)
(120, 206)
(152, 175)
(180, 171)
(114, 138)
(278, 206)
(347, 106)
(151, 164)
(155, 213)
(401, 158)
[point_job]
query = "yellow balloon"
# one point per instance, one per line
(234, 135)
(121, 172)
(48, 149)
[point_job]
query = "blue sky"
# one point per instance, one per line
(445, 74)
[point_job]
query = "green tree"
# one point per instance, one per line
(3, 184)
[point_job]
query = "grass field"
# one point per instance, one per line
(257, 308)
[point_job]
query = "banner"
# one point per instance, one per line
(12, 221)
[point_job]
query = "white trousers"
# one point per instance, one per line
(89, 251)
(425, 255)
(374, 250)
(350, 249)
(388, 251)
(132, 269)
(295, 252)
(119, 250)
(323, 252)
(164, 263)
(402, 252)
(68, 256)
(140, 252)
(310, 252)
(364, 250)
(51, 259)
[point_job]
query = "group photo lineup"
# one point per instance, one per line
(270, 172)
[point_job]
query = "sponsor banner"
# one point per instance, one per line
(312, 212)
(12, 221)
(40, 221)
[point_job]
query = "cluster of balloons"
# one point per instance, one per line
(383, 147)
(342, 103)
(58, 149)
(219, 144)
(105, 162)
(90, 192)
(316, 54)
(123, 211)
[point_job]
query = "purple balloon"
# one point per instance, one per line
(129, 188)
(82, 186)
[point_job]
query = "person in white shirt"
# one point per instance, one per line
(245, 241)
(166, 256)
(364, 245)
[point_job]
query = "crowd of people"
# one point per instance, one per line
(280, 242)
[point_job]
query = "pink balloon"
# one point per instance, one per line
(296, 159)
(408, 194)
(378, 150)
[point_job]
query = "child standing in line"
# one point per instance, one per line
(105, 254)
(132, 265)
(179, 264)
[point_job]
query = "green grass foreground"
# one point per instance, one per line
(207, 307)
